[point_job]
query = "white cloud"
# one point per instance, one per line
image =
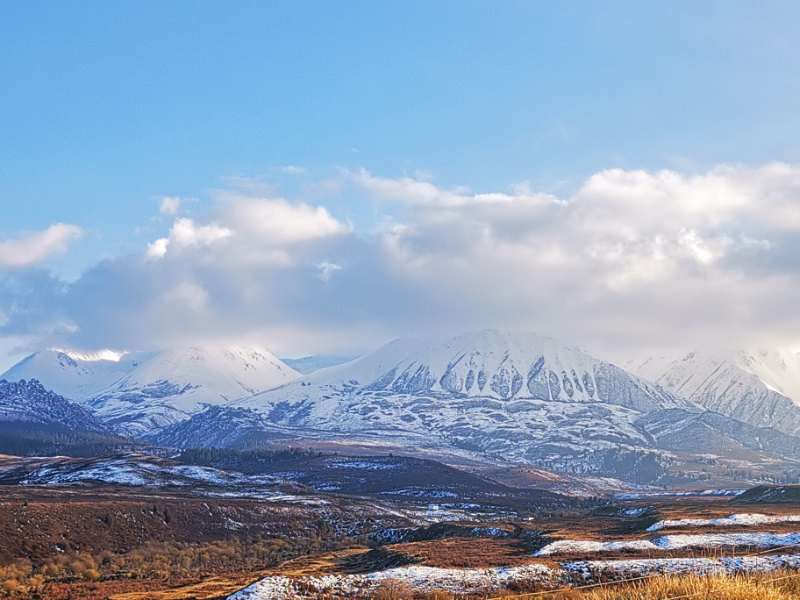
(186, 234)
(292, 170)
(630, 253)
(326, 269)
(276, 222)
(35, 247)
(631, 258)
(187, 295)
(170, 205)
(157, 249)
(418, 192)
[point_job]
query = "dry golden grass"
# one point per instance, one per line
(213, 587)
(773, 586)
(784, 586)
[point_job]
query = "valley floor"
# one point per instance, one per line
(122, 543)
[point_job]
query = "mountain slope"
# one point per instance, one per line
(760, 388)
(514, 396)
(710, 432)
(145, 391)
(30, 402)
(35, 420)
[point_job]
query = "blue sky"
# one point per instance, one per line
(109, 107)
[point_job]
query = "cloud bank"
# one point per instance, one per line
(633, 260)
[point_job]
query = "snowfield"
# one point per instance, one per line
(675, 542)
(737, 520)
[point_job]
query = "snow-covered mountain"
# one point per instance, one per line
(516, 396)
(760, 387)
(144, 391)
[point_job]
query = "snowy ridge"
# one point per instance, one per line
(174, 384)
(760, 387)
(309, 364)
(30, 402)
(495, 364)
(72, 376)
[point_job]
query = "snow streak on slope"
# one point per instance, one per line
(761, 388)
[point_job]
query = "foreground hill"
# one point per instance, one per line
(144, 391)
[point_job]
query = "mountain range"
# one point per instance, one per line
(487, 395)
(514, 397)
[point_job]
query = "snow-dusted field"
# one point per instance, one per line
(592, 570)
(426, 579)
(421, 579)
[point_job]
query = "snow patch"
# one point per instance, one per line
(736, 520)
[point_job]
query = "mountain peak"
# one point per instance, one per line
(760, 387)
(146, 390)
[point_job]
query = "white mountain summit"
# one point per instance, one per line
(143, 391)
(759, 387)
